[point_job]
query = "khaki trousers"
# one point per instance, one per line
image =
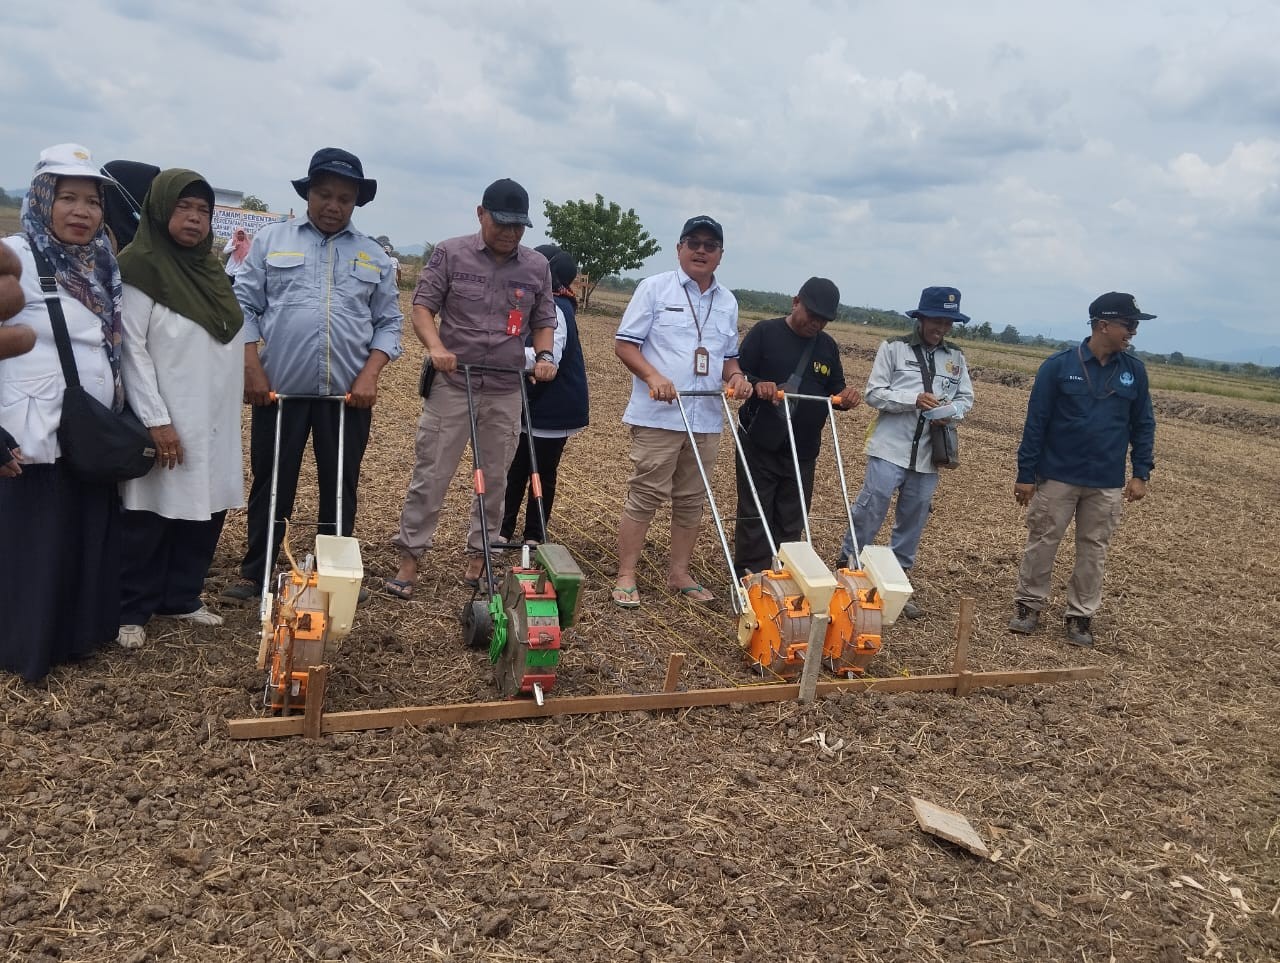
(444, 431)
(1096, 512)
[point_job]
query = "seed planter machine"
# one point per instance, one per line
(792, 618)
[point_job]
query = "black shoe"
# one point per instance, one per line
(1025, 620)
(242, 590)
(1078, 632)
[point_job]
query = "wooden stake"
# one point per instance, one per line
(313, 709)
(960, 666)
(675, 662)
(459, 713)
(813, 657)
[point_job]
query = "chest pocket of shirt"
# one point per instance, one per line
(671, 316)
(725, 329)
(286, 277)
(365, 275)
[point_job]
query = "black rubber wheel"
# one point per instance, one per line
(477, 626)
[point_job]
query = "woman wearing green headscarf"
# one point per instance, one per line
(183, 365)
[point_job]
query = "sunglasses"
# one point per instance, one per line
(698, 244)
(1130, 326)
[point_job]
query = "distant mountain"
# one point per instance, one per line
(413, 249)
(1211, 340)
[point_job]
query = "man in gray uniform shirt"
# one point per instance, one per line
(476, 299)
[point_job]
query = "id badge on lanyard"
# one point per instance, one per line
(701, 356)
(701, 362)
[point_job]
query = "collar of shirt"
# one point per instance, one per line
(684, 281)
(305, 222)
(521, 252)
(914, 339)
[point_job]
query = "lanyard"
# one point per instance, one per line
(697, 323)
(1108, 391)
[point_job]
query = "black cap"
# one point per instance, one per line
(703, 222)
(564, 266)
(939, 302)
(821, 297)
(1117, 306)
(507, 202)
(335, 160)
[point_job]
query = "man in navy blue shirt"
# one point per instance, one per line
(1090, 407)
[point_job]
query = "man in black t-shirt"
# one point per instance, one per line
(792, 355)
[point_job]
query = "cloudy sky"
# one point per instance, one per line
(1033, 155)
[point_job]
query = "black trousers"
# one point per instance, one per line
(60, 558)
(301, 418)
(164, 564)
(548, 452)
(775, 476)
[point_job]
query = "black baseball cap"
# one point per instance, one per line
(1117, 306)
(703, 222)
(821, 297)
(507, 202)
(335, 160)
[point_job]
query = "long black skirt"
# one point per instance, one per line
(59, 569)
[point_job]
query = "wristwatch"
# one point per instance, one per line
(544, 356)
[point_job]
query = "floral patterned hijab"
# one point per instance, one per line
(87, 272)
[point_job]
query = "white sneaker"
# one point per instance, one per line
(132, 637)
(201, 616)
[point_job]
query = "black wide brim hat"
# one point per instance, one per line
(341, 163)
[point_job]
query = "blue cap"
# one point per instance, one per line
(939, 303)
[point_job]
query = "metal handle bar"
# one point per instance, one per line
(834, 399)
(274, 396)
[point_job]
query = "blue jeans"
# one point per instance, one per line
(915, 493)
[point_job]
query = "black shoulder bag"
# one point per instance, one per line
(766, 428)
(943, 438)
(99, 446)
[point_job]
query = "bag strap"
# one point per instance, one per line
(797, 377)
(58, 320)
(926, 376)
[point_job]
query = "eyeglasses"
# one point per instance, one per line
(1128, 325)
(698, 244)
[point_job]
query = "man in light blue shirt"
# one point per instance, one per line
(321, 297)
(678, 333)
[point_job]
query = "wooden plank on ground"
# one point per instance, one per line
(458, 713)
(949, 825)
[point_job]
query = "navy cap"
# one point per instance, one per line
(1117, 306)
(939, 302)
(507, 202)
(703, 222)
(335, 160)
(821, 297)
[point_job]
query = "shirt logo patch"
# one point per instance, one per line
(437, 258)
(952, 368)
(1126, 379)
(821, 368)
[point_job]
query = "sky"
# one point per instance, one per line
(1032, 155)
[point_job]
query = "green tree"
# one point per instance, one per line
(1010, 335)
(252, 203)
(605, 239)
(983, 331)
(1176, 357)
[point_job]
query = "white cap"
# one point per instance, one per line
(69, 160)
